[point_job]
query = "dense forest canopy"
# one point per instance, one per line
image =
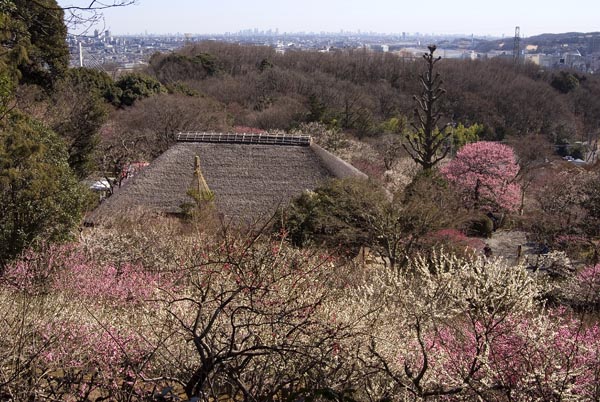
(359, 89)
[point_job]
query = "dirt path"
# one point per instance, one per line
(505, 243)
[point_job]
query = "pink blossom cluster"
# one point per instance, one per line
(34, 271)
(566, 239)
(590, 275)
(104, 357)
(519, 355)
(573, 244)
(107, 283)
(585, 287)
(87, 354)
(486, 173)
(67, 269)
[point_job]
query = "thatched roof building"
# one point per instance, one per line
(250, 175)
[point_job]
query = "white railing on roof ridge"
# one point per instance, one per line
(245, 138)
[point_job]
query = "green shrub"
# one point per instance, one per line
(478, 226)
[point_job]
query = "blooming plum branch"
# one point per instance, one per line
(486, 172)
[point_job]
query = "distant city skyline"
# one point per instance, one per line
(381, 16)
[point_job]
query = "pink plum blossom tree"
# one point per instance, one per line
(485, 172)
(74, 327)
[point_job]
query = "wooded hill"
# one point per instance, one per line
(362, 91)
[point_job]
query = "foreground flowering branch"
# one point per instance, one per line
(249, 317)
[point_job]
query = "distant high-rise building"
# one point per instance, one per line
(96, 33)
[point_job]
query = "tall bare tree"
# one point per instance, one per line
(428, 144)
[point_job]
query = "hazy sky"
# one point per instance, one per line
(433, 16)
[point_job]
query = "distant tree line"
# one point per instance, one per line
(360, 91)
(218, 86)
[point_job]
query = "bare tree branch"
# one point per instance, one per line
(427, 146)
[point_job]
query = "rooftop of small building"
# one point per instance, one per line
(250, 175)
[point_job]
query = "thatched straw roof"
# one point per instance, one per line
(248, 180)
